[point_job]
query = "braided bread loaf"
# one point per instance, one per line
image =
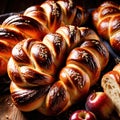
(106, 19)
(38, 20)
(54, 13)
(37, 81)
(111, 86)
(35, 22)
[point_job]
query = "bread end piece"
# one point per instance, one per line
(111, 86)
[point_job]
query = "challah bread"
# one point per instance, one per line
(27, 25)
(37, 21)
(8, 38)
(106, 19)
(42, 56)
(54, 13)
(111, 86)
(14, 29)
(37, 80)
(73, 14)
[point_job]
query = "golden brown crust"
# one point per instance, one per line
(27, 25)
(106, 19)
(53, 14)
(8, 38)
(39, 62)
(87, 61)
(98, 49)
(38, 20)
(33, 65)
(27, 99)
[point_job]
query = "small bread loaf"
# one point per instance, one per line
(42, 80)
(111, 86)
(106, 19)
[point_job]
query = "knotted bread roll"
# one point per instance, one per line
(42, 80)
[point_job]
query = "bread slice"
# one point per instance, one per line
(111, 85)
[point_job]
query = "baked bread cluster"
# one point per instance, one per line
(52, 61)
(38, 79)
(35, 22)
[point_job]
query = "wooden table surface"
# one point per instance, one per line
(8, 111)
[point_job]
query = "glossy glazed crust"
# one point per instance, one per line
(27, 25)
(53, 14)
(8, 38)
(106, 19)
(35, 64)
(37, 21)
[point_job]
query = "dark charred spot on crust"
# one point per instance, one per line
(14, 74)
(55, 13)
(35, 78)
(27, 96)
(32, 75)
(115, 42)
(58, 99)
(20, 55)
(77, 20)
(26, 20)
(4, 48)
(42, 55)
(88, 59)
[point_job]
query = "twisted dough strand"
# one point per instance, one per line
(34, 68)
(8, 38)
(38, 20)
(106, 19)
(54, 13)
